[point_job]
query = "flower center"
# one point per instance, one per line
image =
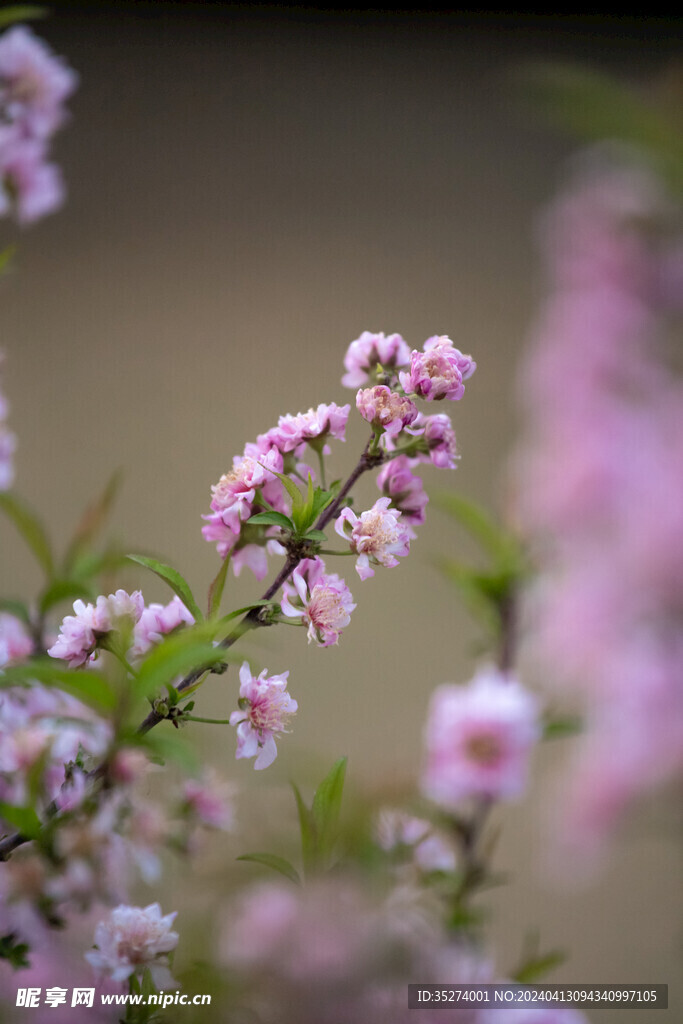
(484, 749)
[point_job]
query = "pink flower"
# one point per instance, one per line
(307, 427)
(235, 492)
(15, 641)
(265, 707)
(439, 439)
(32, 186)
(131, 939)
(376, 536)
(438, 371)
(211, 801)
(385, 409)
(431, 849)
(33, 83)
(325, 602)
(366, 352)
(81, 632)
(405, 490)
(157, 621)
(478, 740)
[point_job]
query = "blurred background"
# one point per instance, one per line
(249, 189)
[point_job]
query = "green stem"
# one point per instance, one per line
(209, 721)
(321, 461)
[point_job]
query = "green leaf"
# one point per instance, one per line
(595, 106)
(178, 654)
(326, 808)
(30, 528)
(176, 582)
(538, 967)
(64, 590)
(497, 543)
(316, 535)
(217, 587)
(7, 254)
(92, 688)
(16, 953)
(321, 500)
(291, 488)
(170, 745)
(272, 519)
(308, 834)
(24, 819)
(242, 611)
(16, 608)
(93, 520)
(477, 598)
(20, 12)
(270, 860)
(558, 728)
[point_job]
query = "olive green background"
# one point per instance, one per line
(249, 189)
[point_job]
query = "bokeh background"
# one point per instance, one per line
(249, 189)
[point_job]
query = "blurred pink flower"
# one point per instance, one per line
(157, 621)
(397, 480)
(16, 643)
(131, 939)
(478, 740)
(34, 83)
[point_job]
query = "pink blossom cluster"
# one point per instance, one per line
(34, 85)
(43, 730)
(81, 632)
(599, 486)
(126, 614)
(131, 939)
(478, 740)
(251, 485)
(321, 599)
(8, 444)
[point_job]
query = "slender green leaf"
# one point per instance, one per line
(20, 12)
(24, 819)
(89, 564)
(30, 528)
(290, 487)
(477, 599)
(495, 541)
(217, 587)
(176, 582)
(316, 535)
(308, 834)
(326, 808)
(16, 608)
(271, 519)
(7, 254)
(176, 655)
(64, 590)
(558, 728)
(538, 967)
(93, 520)
(270, 860)
(92, 688)
(242, 611)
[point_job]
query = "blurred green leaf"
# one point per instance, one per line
(31, 529)
(593, 105)
(538, 967)
(24, 819)
(475, 593)
(21, 12)
(92, 521)
(178, 654)
(558, 728)
(92, 688)
(279, 864)
(243, 610)
(308, 836)
(7, 254)
(64, 590)
(326, 807)
(501, 547)
(169, 745)
(176, 582)
(16, 953)
(16, 608)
